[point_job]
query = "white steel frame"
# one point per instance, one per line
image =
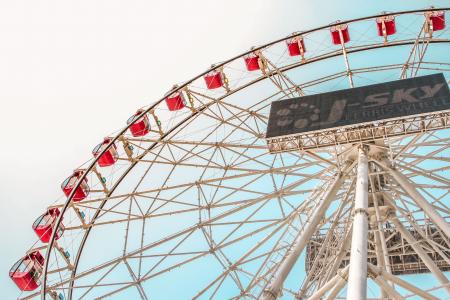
(338, 184)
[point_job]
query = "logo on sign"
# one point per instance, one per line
(313, 114)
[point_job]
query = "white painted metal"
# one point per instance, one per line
(273, 290)
(387, 288)
(340, 276)
(421, 253)
(337, 288)
(429, 210)
(357, 278)
(202, 164)
(402, 283)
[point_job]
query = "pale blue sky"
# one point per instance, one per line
(72, 71)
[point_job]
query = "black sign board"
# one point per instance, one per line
(376, 102)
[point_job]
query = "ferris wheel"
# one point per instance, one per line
(193, 200)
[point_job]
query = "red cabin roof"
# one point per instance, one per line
(386, 25)
(68, 185)
(340, 34)
(141, 124)
(252, 61)
(437, 20)
(27, 271)
(296, 46)
(109, 157)
(214, 79)
(43, 226)
(175, 101)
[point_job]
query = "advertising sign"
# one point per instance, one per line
(376, 102)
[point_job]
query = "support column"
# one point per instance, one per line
(380, 234)
(387, 288)
(341, 254)
(273, 290)
(417, 228)
(421, 202)
(357, 279)
(422, 254)
(339, 277)
(337, 288)
(402, 283)
(380, 242)
(324, 247)
(380, 259)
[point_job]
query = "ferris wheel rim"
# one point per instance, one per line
(116, 137)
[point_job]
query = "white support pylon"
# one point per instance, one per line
(337, 288)
(340, 276)
(421, 253)
(402, 283)
(357, 278)
(387, 288)
(421, 202)
(273, 290)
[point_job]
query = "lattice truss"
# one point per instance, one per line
(199, 208)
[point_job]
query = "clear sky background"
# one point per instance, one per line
(71, 72)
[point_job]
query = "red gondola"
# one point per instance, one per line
(68, 185)
(336, 32)
(43, 226)
(296, 46)
(437, 20)
(175, 101)
(214, 79)
(252, 61)
(109, 157)
(386, 25)
(27, 271)
(141, 125)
